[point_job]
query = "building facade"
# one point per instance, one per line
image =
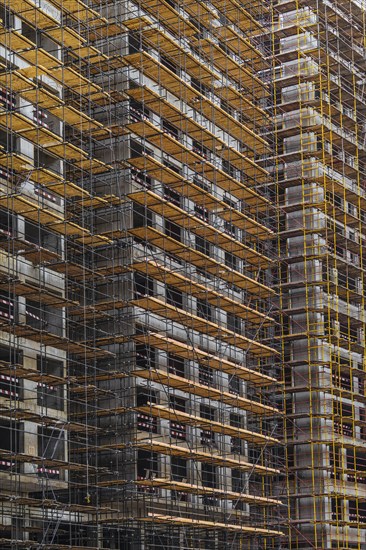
(319, 52)
(139, 361)
(157, 159)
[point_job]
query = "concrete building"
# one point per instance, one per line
(319, 51)
(138, 374)
(156, 160)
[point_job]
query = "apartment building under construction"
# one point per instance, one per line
(139, 365)
(320, 105)
(157, 158)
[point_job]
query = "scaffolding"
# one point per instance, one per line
(319, 64)
(138, 361)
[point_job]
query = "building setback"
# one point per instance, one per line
(319, 52)
(139, 364)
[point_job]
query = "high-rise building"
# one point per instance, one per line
(320, 103)
(138, 373)
(157, 159)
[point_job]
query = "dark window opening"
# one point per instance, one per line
(31, 33)
(50, 393)
(172, 196)
(342, 381)
(342, 412)
(201, 184)
(201, 213)
(199, 86)
(238, 481)
(337, 509)
(236, 445)
(205, 375)
(231, 261)
(7, 99)
(11, 355)
(7, 222)
(137, 149)
(254, 455)
(6, 17)
(144, 285)
(36, 315)
(363, 423)
(290, 457)
(8, 141)
(173, 230)
(356, 460)
(178, 430)
(45, 195)
(135, 43)
(142, 216)
(147, 465)
(172, 167)
(7, 306)
(44, 317)
(177, 403)
(145, 357)
(59, 534)
(169, 64)
(176, 365)
(174, 297)
(146, 422)
(51, 443)
(208, 474)
(357, 511)
(236, 420)
(137, 111)
(207, 438)
(208, 413)
(228, 168)
(10, 440)
(37, 235)
(335, 463)
(230, 228)
(234, 323)
(204, 309)
(178, 468)
(10, 387)
(51, 446)
(145, 395)
(45, 160)
(170, 129)
(198, 148)
(141, 179)
(179, 472)
(202, 246)
(234, 385)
